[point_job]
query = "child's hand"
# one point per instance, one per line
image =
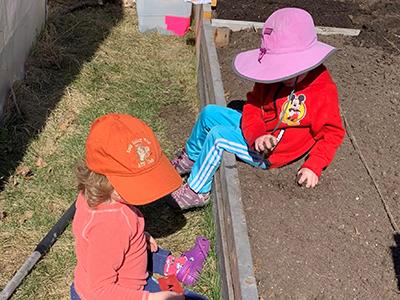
(166, 296)
(265, 142)
(151, 242)
(308, 177)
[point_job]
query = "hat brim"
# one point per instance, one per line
(279, 67)
(148, 187)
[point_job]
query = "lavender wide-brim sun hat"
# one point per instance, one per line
(289, 47)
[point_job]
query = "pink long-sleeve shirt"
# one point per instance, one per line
(111, 252)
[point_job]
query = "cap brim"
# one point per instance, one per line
(279, 67)
(150, 186)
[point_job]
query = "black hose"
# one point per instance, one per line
(43, 246)
(56, 231)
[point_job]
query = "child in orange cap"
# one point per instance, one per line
(125, 166)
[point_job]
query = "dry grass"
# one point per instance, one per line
(86, 64)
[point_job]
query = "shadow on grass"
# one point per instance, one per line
(68, 41)
(161, 220)
(396, 258)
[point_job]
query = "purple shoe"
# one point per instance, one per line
(182, 163)
(190, 271)
(185, 198)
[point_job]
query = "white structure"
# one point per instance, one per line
(20, 23)
(236, 25)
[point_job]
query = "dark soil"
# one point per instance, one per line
(335, 241)
(379, 21)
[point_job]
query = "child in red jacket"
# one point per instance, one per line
(292, 110)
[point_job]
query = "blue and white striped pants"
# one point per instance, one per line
(217, 129)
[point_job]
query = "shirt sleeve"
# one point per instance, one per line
(328, 132)
(106, 253)
(253, 125)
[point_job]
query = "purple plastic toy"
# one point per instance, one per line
(190, 271)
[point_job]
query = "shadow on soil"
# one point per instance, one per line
(396, 258)
(69, 40)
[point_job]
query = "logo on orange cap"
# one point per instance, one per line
(142, 148)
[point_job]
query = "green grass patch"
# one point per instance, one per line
(86, 64)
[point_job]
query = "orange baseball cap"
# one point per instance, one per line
(127, 152)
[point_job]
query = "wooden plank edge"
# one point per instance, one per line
(237, 256)
(224, 264)
(218, 216)
(207, 11)
(229, 178)
(236, 25)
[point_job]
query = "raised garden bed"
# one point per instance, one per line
(332, 242)
(336, 241)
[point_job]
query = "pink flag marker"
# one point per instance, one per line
(178, 25)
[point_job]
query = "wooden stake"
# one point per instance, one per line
(221, 36)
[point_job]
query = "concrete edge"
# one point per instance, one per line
(235, 25)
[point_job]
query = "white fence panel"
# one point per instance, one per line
(20, 23)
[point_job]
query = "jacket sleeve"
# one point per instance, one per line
(106, 253)
(253, 125)
(328, 132)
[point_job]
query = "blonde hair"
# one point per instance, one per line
(95, 187)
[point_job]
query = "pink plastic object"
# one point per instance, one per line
(178, 25)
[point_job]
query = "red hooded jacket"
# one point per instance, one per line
(310, 120)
